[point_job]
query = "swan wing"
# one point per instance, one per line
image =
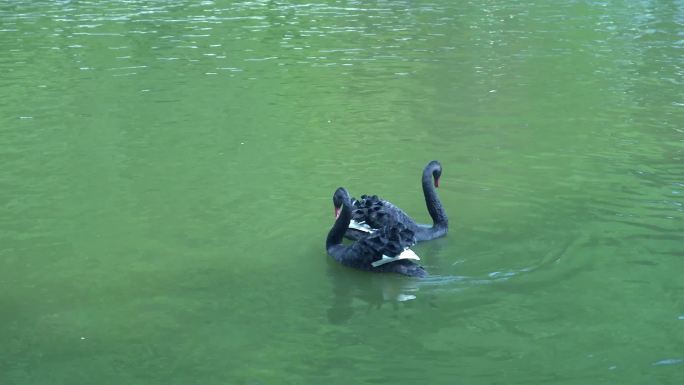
(406, 254)
(397, 214)
(371, 211)
(377, 212)
(361, 226)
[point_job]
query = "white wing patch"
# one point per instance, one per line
(361, 226)
(406, 254)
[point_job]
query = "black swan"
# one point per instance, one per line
(386, 250)
(371, 212)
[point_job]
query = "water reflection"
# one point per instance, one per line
(357, 291)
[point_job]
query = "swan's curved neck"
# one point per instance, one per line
(434, 206)
(339, 227)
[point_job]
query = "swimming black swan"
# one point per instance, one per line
(371, 212)
(386, 250)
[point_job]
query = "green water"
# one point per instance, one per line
(167, 171)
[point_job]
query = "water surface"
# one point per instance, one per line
(168, 168)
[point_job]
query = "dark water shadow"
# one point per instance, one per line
(356, 291)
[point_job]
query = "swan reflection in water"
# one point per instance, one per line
(361, 291)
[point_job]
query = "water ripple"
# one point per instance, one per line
(668, 361)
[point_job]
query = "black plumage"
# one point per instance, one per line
(376, 212)
(390, 240)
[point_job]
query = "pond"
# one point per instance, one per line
(168, 171)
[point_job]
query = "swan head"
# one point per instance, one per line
(340, 197)
(436, 168)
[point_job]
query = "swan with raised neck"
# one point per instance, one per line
(371, 212)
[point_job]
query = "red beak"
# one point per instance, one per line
(437, 182)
